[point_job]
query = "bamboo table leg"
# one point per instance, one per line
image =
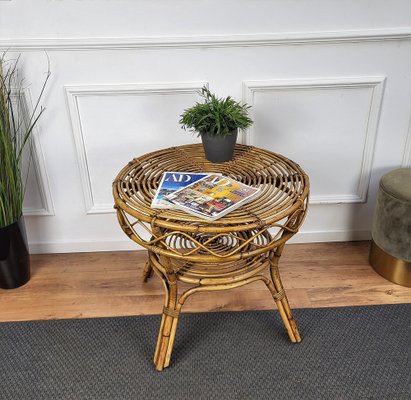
(280, 298)
(148, 271)
(168, 324)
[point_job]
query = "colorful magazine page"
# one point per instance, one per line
(170, 182)
(213, 196)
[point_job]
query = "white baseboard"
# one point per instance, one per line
(128, 245)
(82, 247)
(330, 236)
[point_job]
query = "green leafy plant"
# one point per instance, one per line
(215, 116)
(16, 128)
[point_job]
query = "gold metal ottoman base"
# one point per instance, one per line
(390, 267)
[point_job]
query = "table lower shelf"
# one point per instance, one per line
(212, 273)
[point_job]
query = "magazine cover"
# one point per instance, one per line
(170, 182)
(213, 196)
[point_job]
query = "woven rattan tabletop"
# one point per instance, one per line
(284, 186)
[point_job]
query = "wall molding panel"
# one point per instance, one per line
(374, 83)
(38, 165)
(198, 41)
(37, 162)
(73, 93)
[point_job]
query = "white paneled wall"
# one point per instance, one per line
(329, 83)
(104, 120)
(333, 114)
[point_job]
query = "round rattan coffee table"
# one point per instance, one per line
(235, 250)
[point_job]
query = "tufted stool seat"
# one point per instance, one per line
(390, 253)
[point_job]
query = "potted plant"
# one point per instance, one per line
(217, 121)
(16, 128)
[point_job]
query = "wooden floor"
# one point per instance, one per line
(85, 285)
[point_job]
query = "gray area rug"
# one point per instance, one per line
(346, 353)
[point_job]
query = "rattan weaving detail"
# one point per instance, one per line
(279, 208)
(215, 255)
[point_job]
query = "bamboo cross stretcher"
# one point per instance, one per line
(215, 255)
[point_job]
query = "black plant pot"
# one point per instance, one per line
(219, 149)
(14, 256)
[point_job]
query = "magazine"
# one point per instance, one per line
(170, 182)
(212, 196)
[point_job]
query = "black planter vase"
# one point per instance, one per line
(14, 256)
(219, 149)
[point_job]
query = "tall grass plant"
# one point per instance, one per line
(16, 128)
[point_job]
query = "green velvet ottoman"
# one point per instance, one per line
(390, 253)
